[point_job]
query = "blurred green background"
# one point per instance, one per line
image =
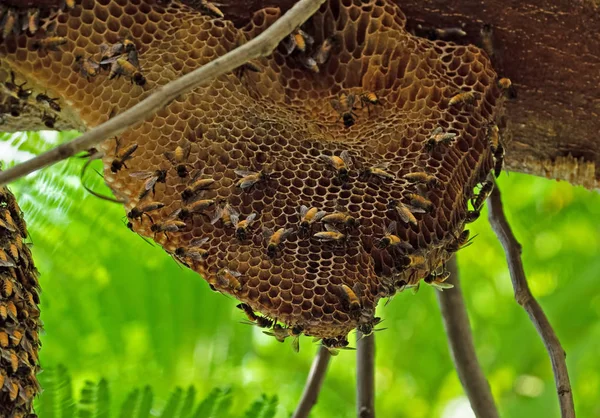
(118, 309)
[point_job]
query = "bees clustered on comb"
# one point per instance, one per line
(308, 184)
(19, 314)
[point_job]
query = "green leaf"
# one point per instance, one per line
(102, 400)
(271, 407)
(256, 408)
(188, 403)
(146, 403)
(207, 406)
(66, 403)
(87, 402)
(129, 405)
(172, 404)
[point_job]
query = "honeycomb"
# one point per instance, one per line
(351, 116)
(19, 313)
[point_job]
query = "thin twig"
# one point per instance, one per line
(523, 295)
(365, 375)
(460, 340)
(313, 383)
(261, 46)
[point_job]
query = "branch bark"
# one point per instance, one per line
(365, 375)
(460, 340)
(313, 383)
(523, 296)
(261, 46)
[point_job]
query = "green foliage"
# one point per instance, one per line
(117, 308)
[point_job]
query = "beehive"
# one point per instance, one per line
(19, 314)
(281, 121)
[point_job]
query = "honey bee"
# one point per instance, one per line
(261, 321)
(419, 201)
(334, 345)
(275, 239)
(167, 226)
(194, 252)
(4, 340)
(472, 216)
(122, 66)
(308, 218)
(322, 54)
(390, 239)
(139, 211)
(250, 178)
(178, 158)
(49, 120)
(11, 357)
(119, 161)
(494, 137)
(210, 9)
(438, 280)
(405, 211)
(499, 160)
(351, 299)
(309, 63)
(487, 39)
(369, 98)
(151, 177)
(421, 177)
(199, 206)
(298, 39)
(51, 43)
(340, 164)
(464, 97)
(67, 4)
(223, 213)
(9, 22)
(7, 288)
(33, 20)
(340, 217)
(378, 170)
(15, 337)
(124, 46)
(46, 100)
(11, 310)
(197, 185)
(484, 193)
(330, 235)
(462, 241)
(504, 83)
(280, 333)
(16, 90)
(439, 137)
(241, 227)
(367, 328)
(295, 333)
(229, 278)
(344, 105)
(7, 222)
(6, 260)
(413, 260)
(87, 67)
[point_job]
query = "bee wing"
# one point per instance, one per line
(296, 345)
(7, 263)
(330, 228)
(251, 218)
(150, 183)
(110, 60)
(319, 215)
(336, 105)
(307, 38)
(234, 273)
(303, 210)
(345, 156)
(235, 219)
(170, 155)
(289, 44)
(442, 286)
(414, 209)
(174, 214)
(436, 132)
(244, 173)
(325, 158)
(286, 233)
(391, 228)
(350, 101)
(267, 233)
(357, 289)
(198, 242)
(217, 215)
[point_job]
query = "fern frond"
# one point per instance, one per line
(102, 400)
(128, 407)
(188, 403)
(145, 403)
(173, 404)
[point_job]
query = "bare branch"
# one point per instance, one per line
(365, 375)
(313, 383)
(460, 340)
(261, 46)
(523, 295)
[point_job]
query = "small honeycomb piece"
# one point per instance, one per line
(377, 133)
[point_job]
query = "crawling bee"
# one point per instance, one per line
(405, 211)
(414, 260)
(8, 22)
(330, 234)
(48, 101)
(51, 43)
(420, 202)
(438, 280)
(151, 177)
(308, 218)
(210, 9)
(344, 105)
(367, 99)
(33, 20)
(87, 67)
(49, 120)
(322, 54)
(178, 158)
(472, 216)
(367, 328)
(275, 239)
(230, 279)
(340, 217)
(390, 239)
(16, 90)
(6, 260)
(250, 178)
(223, 213)
(197, 185)
(280, 333)
(18, 220)
(124, 46)
(340, 164)
(421, 177)
(167, 226)
(199, 206)
(334, 345)
(378, 170)
(462, 241)
(483, 194)
(504, 83)
(498, 160)
(194, 251)
(309, 63)
(242, 227)
(351, 299)
(298, 39)
(121, 66)
(139, 211)
(494, 137)
(7, 222)
(507, 88)
(438, 137)
(261, 321)
(119, 161)
(464, 97)
(67, 4)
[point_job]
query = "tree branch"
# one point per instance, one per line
(261, 46)
(313, 383)
(523, 295)
(460, 340)
(365, 375)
